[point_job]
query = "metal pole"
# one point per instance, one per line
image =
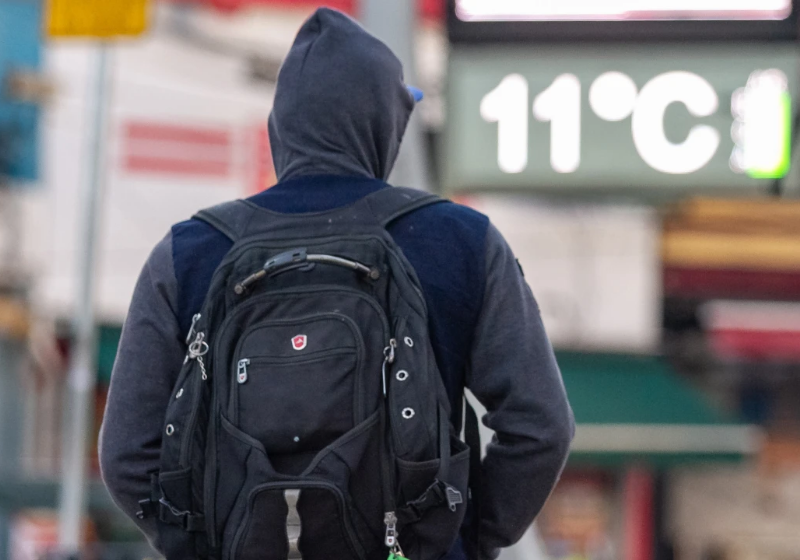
(394, 23)
(79, 410)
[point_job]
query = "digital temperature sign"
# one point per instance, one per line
(622, 10)
(619, 118)
(570, 21)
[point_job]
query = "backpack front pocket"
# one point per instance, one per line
(312, 518)
(296, 405)
(297, 384)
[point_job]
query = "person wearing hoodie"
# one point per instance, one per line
(341, 108)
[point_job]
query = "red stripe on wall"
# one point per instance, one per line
(717, 283)
(143, 164)
(756, 344)
(175, 133)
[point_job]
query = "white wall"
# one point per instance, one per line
(594, 269)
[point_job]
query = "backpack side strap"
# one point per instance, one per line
(472, 437)
(230, 218)
(391, 203)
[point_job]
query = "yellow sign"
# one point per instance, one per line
(97, 18)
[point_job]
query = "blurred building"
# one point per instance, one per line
(587, 132)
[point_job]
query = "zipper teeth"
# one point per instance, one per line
(198, 390)
(354, 542)
(196, 398)
(322, 354)
(208, 475)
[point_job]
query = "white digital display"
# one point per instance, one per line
(761, 130)
(622, 10)
(557, 117)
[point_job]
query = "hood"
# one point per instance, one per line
(341, 106)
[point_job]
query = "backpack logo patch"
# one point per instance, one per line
(299, 342)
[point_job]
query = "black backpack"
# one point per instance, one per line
(309, 419)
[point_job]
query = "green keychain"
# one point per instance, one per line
(396, 556)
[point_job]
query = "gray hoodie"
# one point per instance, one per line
(341, 109)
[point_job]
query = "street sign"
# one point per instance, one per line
(20, 56)
(102, 19)
(638, 119)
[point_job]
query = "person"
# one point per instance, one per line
(340, 111)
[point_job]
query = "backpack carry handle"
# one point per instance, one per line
(298, 258)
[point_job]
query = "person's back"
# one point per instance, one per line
(340, 112)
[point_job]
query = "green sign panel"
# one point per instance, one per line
(625, 117)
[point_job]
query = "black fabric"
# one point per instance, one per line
(226, 218)
(387, 205)
(307, 397)
(149, 506)
(292, 388)
(472, 437)
(325, 527)
(262, 534)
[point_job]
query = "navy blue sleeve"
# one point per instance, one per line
(197, 250)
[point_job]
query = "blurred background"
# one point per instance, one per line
(639, 156)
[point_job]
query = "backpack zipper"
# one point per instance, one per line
(197, 350)
(191, 333)
(241, 370)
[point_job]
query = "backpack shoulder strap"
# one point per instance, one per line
(230, 218)
(386, 205)
(391, 203)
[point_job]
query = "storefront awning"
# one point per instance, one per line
(631, 409)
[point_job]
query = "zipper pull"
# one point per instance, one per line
(388, 358)
(390, 520)
(191, 329)
(197, 350)
(189, 336)
(241, 370)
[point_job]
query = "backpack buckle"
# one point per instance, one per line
(171, 515)
(148, 509)
(453, 497)
(149, 506)
(435, 495)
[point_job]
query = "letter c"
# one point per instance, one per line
(648, 123)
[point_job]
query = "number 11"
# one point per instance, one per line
(559, 104)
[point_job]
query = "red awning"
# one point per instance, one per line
(429, 9)
(754, 330)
